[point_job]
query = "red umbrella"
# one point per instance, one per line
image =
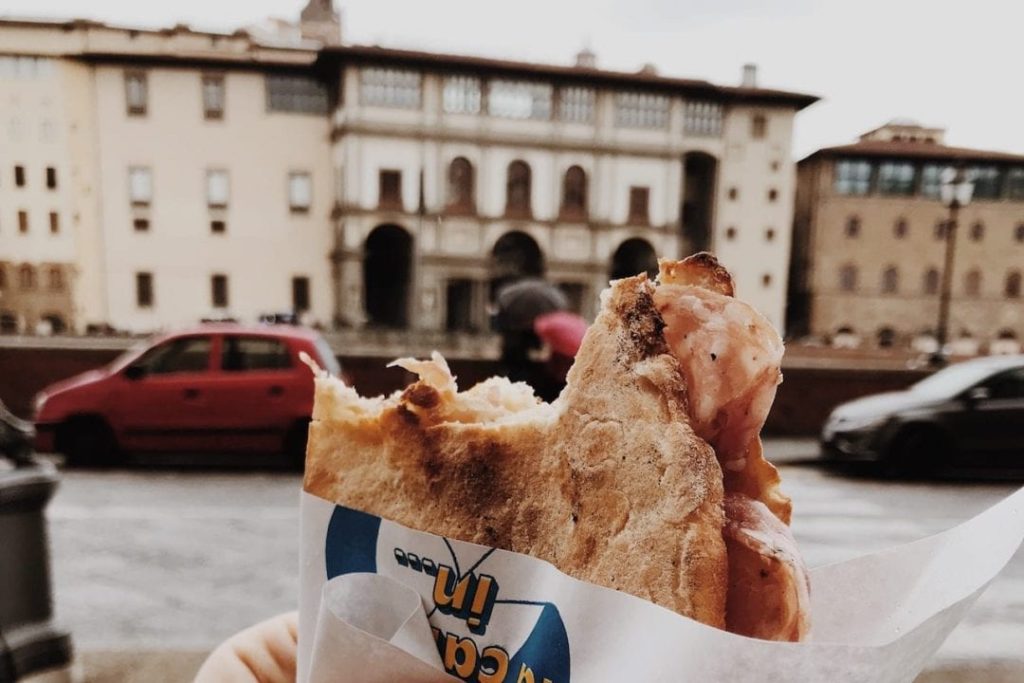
(562, 331)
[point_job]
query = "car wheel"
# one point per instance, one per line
(89, 443)
(295, 444)
(917, 450)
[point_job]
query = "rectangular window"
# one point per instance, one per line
(54, 223)
(931, 180)
(576, 104)
(184, 354)
(702, 119)
(213, 97)
(390, 190)
(144, 290)
(140, 185)
(56, 279)
(758, 126)
(300, 294)
(641, 110)
(218, 189)
(390, 88)
(519, 99)
(896, 178)
(136, 93)
(300, 192)
(218, 227)
(1015, 183)
(22, 221)
(51, 178)
(219, 291)
(248, 354)
(988, 181)
(639, 199)
(459, 306)
(296, 94)
(461, 95)
(853, 177)
(19, 176)
(140, 224)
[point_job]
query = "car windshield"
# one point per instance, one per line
(327, 357)
(130, 353)
(952, 380)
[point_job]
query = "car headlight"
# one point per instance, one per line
(38, 401)
(856, 424)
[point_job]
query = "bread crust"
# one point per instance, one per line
(609, 483)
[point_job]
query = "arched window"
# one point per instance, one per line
(848, 278)
(886, 337)
(901, 228)
(931, 281)
(8, 323)
(890, 280)
(1013, 285)
(3, 276)
(56, 323)
(940, 229)
(634, 256)
(27, 277)
(515, 256)
(853, 226)
(972, 283)
(517, 194)
(1019, 232)
(574, 193)
(977, 231)
(845, 329)
(55, 279)
(460, 186)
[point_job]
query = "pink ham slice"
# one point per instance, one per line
(731, 358)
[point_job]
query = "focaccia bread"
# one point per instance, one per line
(609, 483)
(646, 475)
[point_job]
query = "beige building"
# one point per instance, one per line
(381, 191)
(869, 241)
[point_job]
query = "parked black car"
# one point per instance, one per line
(969, 414)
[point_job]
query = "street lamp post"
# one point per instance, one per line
(956, 191)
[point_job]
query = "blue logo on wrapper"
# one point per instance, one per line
(467, 604)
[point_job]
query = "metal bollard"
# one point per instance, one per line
(30, 643)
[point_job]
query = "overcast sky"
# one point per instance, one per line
(952, 64)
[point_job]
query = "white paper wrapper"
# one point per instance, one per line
(376, 606)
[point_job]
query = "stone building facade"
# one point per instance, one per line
(385, 192)
(869, 241)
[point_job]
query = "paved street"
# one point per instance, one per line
(171, 562)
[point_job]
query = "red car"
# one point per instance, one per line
(220, 388)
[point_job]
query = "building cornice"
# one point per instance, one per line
(243, 62)
(914, 151)
(436, 133)
(694, 88)
(405, 218)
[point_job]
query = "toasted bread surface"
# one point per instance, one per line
(609, 483)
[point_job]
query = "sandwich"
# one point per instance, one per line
(646, 475)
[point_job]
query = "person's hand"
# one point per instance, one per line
(264, 653)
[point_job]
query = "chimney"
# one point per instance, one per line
(749, 79)
(320, 21)
(586, 59)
